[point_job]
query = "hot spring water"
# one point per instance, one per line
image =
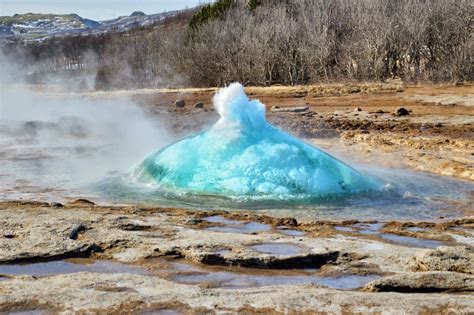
(67, 147)
(243, 156)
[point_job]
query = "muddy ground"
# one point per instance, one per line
(84, 257)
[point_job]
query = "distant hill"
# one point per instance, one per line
(258, 42)
(34, 27)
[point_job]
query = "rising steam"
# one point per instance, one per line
(66, 142)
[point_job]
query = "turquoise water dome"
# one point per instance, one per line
(242, 155)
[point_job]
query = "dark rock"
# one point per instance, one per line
(199, 105)
(179, 103)
(401, 112)
(82, 201)
(57, 204)
(357, 109)
(173, 253)
(76, 230)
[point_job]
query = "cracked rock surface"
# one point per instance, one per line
(143, 237)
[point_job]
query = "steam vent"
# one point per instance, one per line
(242, 155)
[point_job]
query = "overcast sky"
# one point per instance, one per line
(94, 9)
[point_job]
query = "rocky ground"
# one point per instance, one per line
(206, 262)
(90, 258)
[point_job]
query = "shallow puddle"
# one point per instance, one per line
(233, 226)
(411, 241)
(369, 228)
(230, 280)
(289, 232)
(69, 266)
(221, 220)
(277, 249)
(344, 229)
(238, 278)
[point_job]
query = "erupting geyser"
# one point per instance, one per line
(243, 155)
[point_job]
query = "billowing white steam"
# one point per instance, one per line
(68, 141)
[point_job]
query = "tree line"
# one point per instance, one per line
(277, 42)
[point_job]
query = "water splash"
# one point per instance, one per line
(244, 155)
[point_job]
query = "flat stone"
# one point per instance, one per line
(84, 292)
(278, 249)
(266, 257)
(433, 281)
(458, 259)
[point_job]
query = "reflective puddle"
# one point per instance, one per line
(233, 226)
(225, 278)
(70, 266)
(411, 241)
(374, 229)
(286, 231)
(232, 280)
(368, 228)
(344, 228)
(277, 249)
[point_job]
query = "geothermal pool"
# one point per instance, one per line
(242, 156)
(58, 149)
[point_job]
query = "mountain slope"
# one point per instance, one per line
(32, 27)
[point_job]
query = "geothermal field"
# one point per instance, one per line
(278, 200)
(239, 157)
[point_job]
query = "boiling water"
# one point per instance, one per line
(244, 162)
(244, 157)
(53, 149)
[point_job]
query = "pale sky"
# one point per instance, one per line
(94, 9)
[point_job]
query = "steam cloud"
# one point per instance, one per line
(49, 140)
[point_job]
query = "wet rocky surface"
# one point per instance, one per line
(91, 258)
(150, 259)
